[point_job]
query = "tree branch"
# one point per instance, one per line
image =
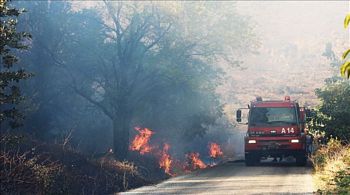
(159, 38)
(94, 102)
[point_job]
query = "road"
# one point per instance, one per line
(236, 178)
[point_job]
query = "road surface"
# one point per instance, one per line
(236, 178)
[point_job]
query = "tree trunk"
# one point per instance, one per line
(121, 129)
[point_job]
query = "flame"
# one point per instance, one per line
(215, 150)
(170, 165)
(165, 160)
(195, 160)
(140, 142)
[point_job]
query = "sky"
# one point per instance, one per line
(296, 20)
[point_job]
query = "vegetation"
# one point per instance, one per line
(28, 166)
(331, 122)
(345, 68)
(332, 168)
(11, 41)
(333, 113)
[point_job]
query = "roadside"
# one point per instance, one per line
(29, 166)
(332, 168)
(236, 178)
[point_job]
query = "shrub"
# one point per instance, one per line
(332, 168)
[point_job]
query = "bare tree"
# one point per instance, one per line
(124, 80)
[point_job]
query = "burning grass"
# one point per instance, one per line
(332, 168)
(165, 160)
(141, 141)
(215, 150)
(194, 161)
(171, 166)
(28, 166)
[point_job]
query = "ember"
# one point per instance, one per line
(140, 142)
(215, 150)
(195, 161)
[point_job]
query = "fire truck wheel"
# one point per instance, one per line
(251, 160)
(300, 160)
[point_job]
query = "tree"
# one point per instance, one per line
(10, 75)
(334, 112)
(138, 69)
(135, 66)
(47, 95)
(143, 68)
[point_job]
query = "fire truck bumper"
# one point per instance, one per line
(275, 152)
(265, 147)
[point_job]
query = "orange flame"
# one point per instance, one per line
(165, 160)
(195, 160)
(215, 150)
(140, 142)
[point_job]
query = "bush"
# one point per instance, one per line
(24, 174)
(332, 116)
(332, 168)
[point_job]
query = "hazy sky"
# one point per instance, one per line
(297, 20)
(306, 23)
(293, 36)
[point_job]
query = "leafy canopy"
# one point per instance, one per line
(345, 68)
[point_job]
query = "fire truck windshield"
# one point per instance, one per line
(261, 116)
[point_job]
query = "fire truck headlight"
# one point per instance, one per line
(252, 142)
(294, 141)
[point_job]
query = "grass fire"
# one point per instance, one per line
(190, 162)
(140, 143)
(215, 150)
(165, 159)
(195, 161)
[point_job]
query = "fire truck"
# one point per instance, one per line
(275, 129)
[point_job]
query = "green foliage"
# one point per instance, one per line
(10, 41)
(345, 68)
(334, 112)
(347, 21)
(342, 180)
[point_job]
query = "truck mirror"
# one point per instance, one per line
(239, 116)
(310, 113)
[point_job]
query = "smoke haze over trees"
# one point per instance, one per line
(100, 72)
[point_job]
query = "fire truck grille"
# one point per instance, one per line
(274, 141)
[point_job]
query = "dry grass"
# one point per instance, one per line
(27, 173)
(33, 167)
(332, 168)
(122, 166)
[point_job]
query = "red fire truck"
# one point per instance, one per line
(275, 129)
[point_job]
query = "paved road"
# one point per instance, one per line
(236, 178)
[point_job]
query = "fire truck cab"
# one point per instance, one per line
(275, 129)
